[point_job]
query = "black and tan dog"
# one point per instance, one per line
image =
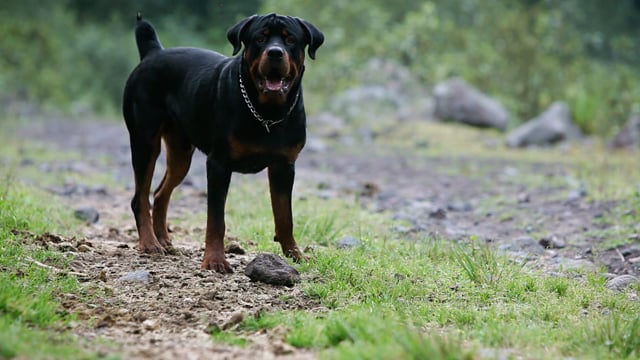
(246, 113)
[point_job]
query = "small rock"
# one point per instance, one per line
(552, 242)
(151, 324)
(438, 213)
(459, 206)
(272, 269)
(106, 321)
(576, 194)
(369, 189)
(552, 126)
(456, 100)
(524, 198)
(234, 247)
(65, 246)
(629, 135)
(235, 319)
(84, 248)
(280, 348)
(87, 214)
(347, 242)
(619, 283)
(140, 276)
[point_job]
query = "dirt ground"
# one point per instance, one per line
(170, 306)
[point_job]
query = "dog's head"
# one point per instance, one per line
(274, 52)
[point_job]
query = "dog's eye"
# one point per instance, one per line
(261, 39)
(290, 40)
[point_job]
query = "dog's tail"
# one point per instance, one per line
(146, 37)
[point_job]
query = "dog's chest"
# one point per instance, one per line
(247, 157)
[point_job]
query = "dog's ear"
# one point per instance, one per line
(236, 32)
(315, 38)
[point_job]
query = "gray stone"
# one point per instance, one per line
(459, 206)
(550, 127)
(87, 214)
(576, 194)
(138, 276)
(438, 213)
(455, 100)
(629, 135)
(271, 269)
(234, 247)
(619, 283)
(552, 242)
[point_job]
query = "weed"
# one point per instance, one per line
(483, 265)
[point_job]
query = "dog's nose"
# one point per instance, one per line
(275, 53)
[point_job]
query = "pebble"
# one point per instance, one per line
(576, 194)
(84, 248)
(438, 213)
(552, 242)
(235, 318)
(151, 324)
(234, 247)
(621, 282)
(459, 206)
(140, 276)
(271, 269)
(88, 214)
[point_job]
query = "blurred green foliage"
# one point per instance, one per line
(76, 54)
(526, 53)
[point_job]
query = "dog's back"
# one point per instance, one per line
(146, 37)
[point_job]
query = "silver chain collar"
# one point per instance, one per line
(265, 122)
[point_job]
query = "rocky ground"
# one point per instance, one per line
(162, 307)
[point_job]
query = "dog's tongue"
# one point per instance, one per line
(274, 85)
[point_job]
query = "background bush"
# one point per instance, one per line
(528, 53)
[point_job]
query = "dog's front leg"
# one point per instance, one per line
(218, 178)
(281, 177)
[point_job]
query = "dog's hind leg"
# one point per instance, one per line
(179, 152)
(144, 135)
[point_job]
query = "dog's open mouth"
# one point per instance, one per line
(274, 84)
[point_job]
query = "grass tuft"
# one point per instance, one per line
(483, 265)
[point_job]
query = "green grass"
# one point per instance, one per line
(32, 322)
(428, 298)
(404, 299)
(392, 298)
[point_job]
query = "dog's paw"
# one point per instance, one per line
(216, 264)
(156, 249)
(296, 254)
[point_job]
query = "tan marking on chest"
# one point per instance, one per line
(239, 150)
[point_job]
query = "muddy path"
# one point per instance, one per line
(165, 307)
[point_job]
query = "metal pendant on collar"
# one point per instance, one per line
(264, 122)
